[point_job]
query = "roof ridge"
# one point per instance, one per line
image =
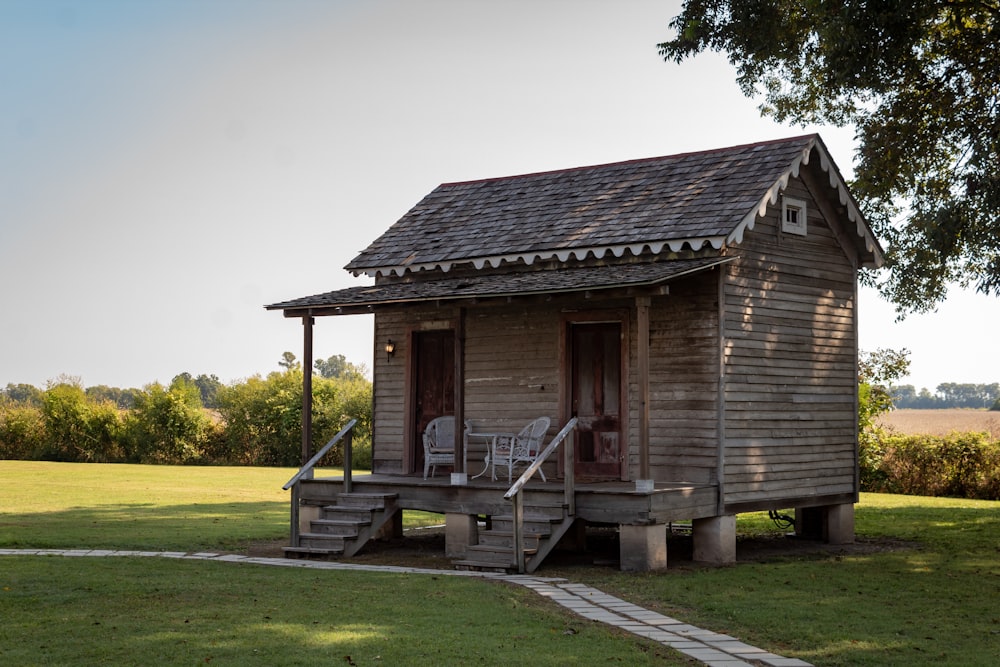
(753, 144)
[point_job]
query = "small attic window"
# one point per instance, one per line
(793, 216)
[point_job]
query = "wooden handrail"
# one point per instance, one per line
(308, 467)
(514, 493)
(306, 471)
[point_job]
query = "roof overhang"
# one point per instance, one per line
(876, 255)
(365, 299)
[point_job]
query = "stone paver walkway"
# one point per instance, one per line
(711, 648)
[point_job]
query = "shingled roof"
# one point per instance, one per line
(662, 204)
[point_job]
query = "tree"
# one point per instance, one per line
(208, 386)
(332, 367)
(123, 398)
(23, 393)
(288, 361)
(338, 366)
(875, 371)
(920, 82)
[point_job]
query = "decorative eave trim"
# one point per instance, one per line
(563, 255)
(771, 198)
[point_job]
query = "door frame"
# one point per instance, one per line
(622, 317)
(411, 439)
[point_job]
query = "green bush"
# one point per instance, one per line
(960, 465)
(77, 429)
(22, 431)
(263, 418)
(167, 425)
(258, 421)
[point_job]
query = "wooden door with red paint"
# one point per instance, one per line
(597, 398)
(434, 384)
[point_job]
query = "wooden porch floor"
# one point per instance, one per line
(596, 502)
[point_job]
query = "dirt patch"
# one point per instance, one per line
(425, 549)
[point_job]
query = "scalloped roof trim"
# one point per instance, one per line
(562, 255)
(826, 164)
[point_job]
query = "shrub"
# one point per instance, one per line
(22, 431)
(963, 465)
(263, 418)
(78, 430)
(167, 425)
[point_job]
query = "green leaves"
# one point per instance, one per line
(920, 81)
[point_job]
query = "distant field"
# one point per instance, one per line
(942, 422)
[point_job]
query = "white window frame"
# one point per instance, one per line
(798, 207)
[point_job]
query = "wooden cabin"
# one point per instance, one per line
(696, 314)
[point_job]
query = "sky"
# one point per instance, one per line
(168, 167)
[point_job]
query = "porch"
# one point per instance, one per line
(480, 530)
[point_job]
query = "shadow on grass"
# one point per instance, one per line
(148, 526)
(918, 588)
(131, 611)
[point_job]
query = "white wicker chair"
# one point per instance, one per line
(439, 443)
(522, 449)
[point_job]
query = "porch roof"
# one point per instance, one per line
(521, 283)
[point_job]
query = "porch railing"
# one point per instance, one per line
(306, 472)
(515, 493)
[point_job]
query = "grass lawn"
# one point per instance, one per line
(142, 611)
(923, 588)
(930, 595)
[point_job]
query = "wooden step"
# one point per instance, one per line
(335, 527)
(538, 525)
(310, 553)
(332, 543)
(489, 558)
(371, 501)
(505, 538)
(337, 513)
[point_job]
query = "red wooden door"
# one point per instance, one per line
(434, 383)
(596, 381)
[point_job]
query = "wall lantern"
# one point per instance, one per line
(390, 349)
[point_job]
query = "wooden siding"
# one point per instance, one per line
(512, 373)
(684, 381)
(790, 363)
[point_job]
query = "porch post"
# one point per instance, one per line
(644, 482)
(460, 476)
(307, 363)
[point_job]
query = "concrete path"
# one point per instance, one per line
(711, 648)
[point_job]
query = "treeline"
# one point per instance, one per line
(947, 395)
(193, 420)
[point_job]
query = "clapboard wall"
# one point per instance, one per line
(790, 376)
(514, 356)
(683, 382)
(512, 372)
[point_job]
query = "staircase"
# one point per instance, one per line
(543, 528)
(344, 528)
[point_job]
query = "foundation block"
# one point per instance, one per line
(839, 527)
(460, 532)
(715, 539)
(642, 548)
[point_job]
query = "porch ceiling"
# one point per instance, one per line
(522, 283)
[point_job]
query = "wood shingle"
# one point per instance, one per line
(695, 200)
